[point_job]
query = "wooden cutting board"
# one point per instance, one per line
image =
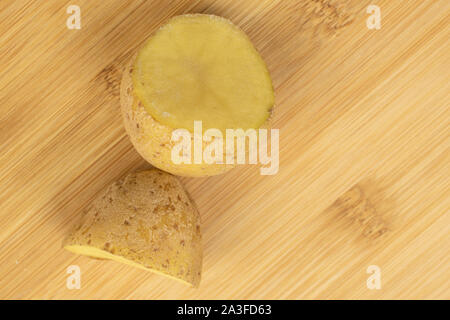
(364, 151)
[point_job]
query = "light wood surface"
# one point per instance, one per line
(364, 159)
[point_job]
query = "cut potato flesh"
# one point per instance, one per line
(145, 220)
(203, 68)
(102, 254)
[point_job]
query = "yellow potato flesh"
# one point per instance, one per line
(102, 254)
(202, 67)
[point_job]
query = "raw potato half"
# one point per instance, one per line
(146, 220)
(195, 67)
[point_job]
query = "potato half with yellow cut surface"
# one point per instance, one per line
(194, 68)
(146, 220)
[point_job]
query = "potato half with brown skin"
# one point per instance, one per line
(194, 68)
(146, 220)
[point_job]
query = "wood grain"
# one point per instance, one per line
(364, 151)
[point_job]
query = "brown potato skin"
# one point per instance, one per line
(146, 217)
(151, 139)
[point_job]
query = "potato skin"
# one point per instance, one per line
(147, 218)
(152, 139)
